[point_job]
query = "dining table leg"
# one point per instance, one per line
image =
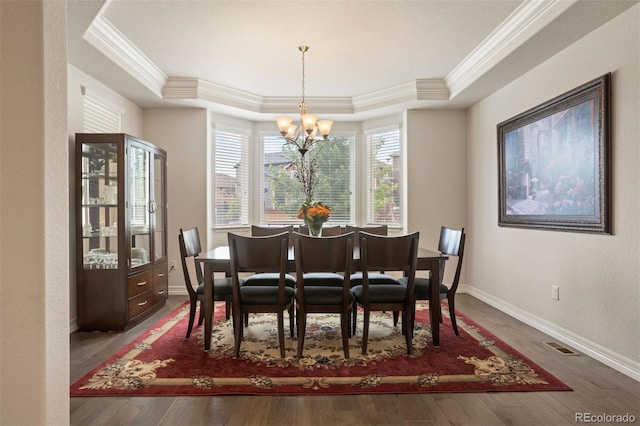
(434, 301)
(208, 304)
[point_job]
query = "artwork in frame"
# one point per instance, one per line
(553, 163)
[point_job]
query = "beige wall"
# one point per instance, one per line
(436, 175)
(34, 215)
(183, 134)
(598, 275)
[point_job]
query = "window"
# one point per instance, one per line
(383, 177)
(231, 177)
(100, 115)
(281, 196)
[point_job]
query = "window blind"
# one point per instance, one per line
(383, 177)
(99, 116)
(281, 194)
(231, 177)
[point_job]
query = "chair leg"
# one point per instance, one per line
(281, 332)
(201, 316)
(345, 325)
(291, 320)
(246, 319)
(227, 309)
(302, 324)
(452, 313)
(406, 318)
(192, 316)
(365, 330)
(238, 334)
(354, 313)
(395, 318)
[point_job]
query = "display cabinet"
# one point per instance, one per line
(121, 230)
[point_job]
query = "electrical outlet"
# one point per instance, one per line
(172, 265)
(555, 292)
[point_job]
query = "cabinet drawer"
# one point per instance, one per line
(160, 282)
(140, 303)
(140, 283)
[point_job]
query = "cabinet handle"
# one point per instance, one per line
(142, 303)
(161, 292)
(142, 283)
(161, 274)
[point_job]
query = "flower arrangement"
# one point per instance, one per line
(314, 216)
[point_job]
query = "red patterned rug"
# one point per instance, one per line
(162, 362)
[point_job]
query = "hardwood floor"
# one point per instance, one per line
(597, 389)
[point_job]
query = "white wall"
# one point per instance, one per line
(598, 275)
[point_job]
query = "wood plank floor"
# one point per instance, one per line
(598, 390)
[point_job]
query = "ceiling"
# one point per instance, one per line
(366, 58)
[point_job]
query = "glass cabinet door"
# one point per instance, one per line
(99, 205)
(140, 205)
(159, 207)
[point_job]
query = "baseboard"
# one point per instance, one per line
(616, 361)
(73, 325)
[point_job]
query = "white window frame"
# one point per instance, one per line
(245, 200)
(369, 134)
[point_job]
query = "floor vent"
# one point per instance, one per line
(563, 350)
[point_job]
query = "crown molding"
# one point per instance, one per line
(411, 91)
(527, 20)
(290, 105)
(102, 35)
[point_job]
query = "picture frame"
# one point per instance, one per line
(553, 163)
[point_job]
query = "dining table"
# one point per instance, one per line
(218, 260)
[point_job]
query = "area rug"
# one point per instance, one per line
(162, 362)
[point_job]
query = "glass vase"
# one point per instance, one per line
(315, 229)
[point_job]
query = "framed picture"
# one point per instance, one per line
(553, 163)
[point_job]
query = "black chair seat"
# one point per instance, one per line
(221, 286)
(269, 279)
(375, 278)
(382, 293)
(323, 295)
(263, 295)
(323, 279)
(423, 288)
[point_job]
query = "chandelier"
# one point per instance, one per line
(305, 135)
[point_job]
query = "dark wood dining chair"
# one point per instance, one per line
(189, 242)
(451, 243)
(375, 277)
(319, 288)
(397, 253)
(261, 255)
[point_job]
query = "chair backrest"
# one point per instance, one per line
(257, 254)
(330, 254)
(377, 230)
(452, 243)
(327, 231)
(395, 253)
(189, 242)
(265, 231)
(373, 229)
